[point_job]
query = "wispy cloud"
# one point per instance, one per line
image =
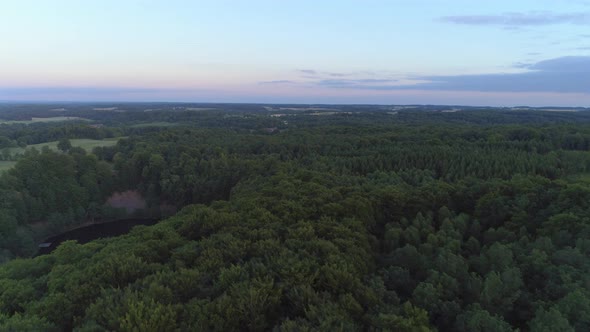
(355, 83)
(312, 73)
(360, 83)
(521, 19)
(338, 74)
(570, 74)
(308, 71)
(560, 75)
(277, 82)
(574, 64)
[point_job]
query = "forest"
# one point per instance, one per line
(354, 219)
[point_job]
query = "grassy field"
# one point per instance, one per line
(51, 119)
(6, 165)
(86, 144)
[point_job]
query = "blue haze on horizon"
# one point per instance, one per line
(518, 52)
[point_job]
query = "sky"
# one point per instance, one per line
(459, 52)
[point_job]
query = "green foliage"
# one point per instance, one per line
(550, 321)
(53, 191)
(418, 222)
(20, 323)
(478, 320)
(64, 144)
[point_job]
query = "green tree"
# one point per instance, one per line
(64, 144)
(550, 321)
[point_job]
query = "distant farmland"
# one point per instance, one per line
(50, 119)
(86, 144)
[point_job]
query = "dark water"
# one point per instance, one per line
(93, 232)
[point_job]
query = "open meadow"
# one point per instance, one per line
(45, 120)
(6, 165)
(84, 143)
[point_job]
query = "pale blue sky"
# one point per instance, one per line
(347, 51)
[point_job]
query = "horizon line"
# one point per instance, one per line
(266, 103)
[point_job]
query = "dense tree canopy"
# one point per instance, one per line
(345, 222)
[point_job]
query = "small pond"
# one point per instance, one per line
(92, 232)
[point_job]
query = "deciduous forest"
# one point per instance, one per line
(356, 219)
